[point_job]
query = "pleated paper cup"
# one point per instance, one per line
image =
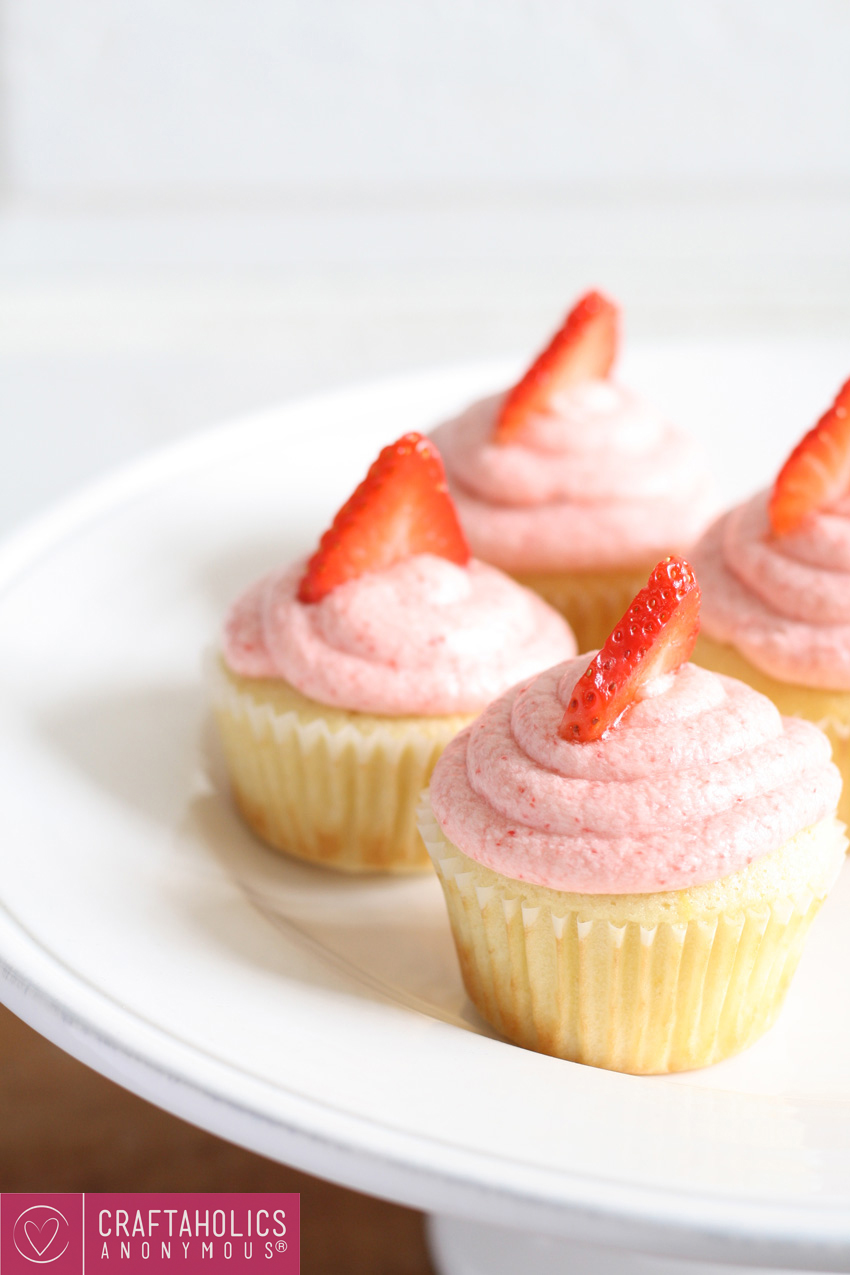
(592, 602)
(641, 983)
(829, 710)
(336, 788)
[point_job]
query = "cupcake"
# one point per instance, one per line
(571, 483)
(775, 574)
(632, 849)
(341, 679)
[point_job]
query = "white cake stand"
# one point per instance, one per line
(319, 1020)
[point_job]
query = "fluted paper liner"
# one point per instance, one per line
(828, 710)
(838, 733)
(606, 980)
(591, 602)
(336, 788)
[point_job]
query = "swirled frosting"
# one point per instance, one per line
(598, 482)
(424, 636)
(783, 601)
(700, 778)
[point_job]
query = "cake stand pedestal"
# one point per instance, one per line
(469, 1248)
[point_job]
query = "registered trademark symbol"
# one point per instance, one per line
(281, 1246)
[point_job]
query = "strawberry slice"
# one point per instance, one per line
(655, 636)
(401, 508)
(817, 473)
(583, 350)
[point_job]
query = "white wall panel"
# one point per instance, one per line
(223, 100)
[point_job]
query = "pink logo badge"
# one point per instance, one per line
(139, 1233)
(41, 1230)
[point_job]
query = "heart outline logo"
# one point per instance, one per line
(32, 1225)
(34, 1239)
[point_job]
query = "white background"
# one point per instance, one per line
(208, 205)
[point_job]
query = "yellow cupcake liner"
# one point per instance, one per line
(592, 602)
(336, 788)
(830, 710)
(606, 980)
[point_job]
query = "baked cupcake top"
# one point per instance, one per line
(570, 471)
(775, 571)
(391, 615)
(635, 773)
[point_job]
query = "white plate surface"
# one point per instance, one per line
(322, 1020)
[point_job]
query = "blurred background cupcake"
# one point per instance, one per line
(571, 482)
(775, 573)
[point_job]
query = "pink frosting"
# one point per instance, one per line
(599, 482)
(422, 637)
(783, 601)
(700, 778)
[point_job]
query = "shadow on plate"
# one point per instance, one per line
(154, 749)
(136, 744)
(387, 937)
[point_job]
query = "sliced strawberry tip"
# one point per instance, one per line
(817, 473)
(401, 508)
(583, 349)
(655, 636)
